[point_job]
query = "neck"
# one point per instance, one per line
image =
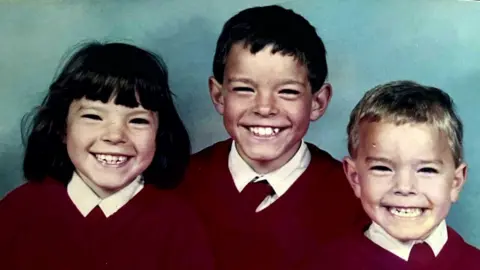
(267, 166)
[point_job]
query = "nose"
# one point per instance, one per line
(114, 133)
(405, 184)
(265, 104)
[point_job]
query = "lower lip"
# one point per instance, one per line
(111, 165)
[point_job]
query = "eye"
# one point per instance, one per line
(91, 116)
(141, 121)
(242, 89)
(428, 170)
(289, 92)
(380, 168)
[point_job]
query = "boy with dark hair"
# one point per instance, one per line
(267, 197)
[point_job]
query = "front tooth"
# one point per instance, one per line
(406, 212)
(111, 159)
(264, 131)
(268, 131)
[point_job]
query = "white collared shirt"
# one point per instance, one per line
(436, 240)
(280, 180)
(85, 199)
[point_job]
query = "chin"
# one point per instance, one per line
(262, 155)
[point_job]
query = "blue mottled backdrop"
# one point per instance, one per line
(369, 42)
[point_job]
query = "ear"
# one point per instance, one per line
(351, 173)
(216, 94)
(460, 177)
(320, 101)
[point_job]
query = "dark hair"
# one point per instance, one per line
(288, 32)
(100, 72)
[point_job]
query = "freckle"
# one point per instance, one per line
(374, 145)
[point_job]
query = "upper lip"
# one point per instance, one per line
(265, 126)
(403, 206)
(111, 154)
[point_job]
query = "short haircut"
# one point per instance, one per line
(402, 102)
(286, 31)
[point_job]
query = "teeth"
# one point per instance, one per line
(406, 212)
(264, 131)
(110, 159)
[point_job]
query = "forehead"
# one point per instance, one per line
(263, 64)
(405, 141)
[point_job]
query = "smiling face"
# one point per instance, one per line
(267, 105)
(109, 144)
(405, 176)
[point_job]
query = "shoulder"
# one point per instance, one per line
(468, 251)
(328, 180)
(33, 195)
(27, 198)
(351, 240)
(215, 150)
(323, 165)
(205, 162)
(166, 210)
(335, 253)
(322, 156)
(166, 203)
(24, 191)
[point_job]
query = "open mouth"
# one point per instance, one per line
(111, 160)
(264, 132)
(406, 212)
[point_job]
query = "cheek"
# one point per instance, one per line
(233, 113)
(78, 134)
(299, 113)
(235, 106)
(75, 140)
(146, 144)
(373, 190)
(437, 194)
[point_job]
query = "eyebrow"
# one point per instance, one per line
(101, 109)
(292, 81)
(378, 159)
(240, 79)
(418, 162)
(433, 161)
(90, 107)
(249, 81)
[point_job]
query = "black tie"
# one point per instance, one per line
(255, 192)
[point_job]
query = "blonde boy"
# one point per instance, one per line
(406, 165)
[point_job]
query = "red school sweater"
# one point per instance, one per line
(318, 206)
(40, 228)
(356, 251)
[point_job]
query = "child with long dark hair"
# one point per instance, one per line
(102, 151)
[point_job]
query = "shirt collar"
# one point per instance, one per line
(436, 240)
(280, 180)
(85, 199)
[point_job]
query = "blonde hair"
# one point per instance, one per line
(402, 102)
